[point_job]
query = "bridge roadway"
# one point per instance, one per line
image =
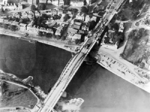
(76, 61)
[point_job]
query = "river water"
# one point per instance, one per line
(101, 90)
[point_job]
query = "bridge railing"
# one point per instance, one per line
(74, 64)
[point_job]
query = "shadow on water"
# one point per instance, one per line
(50, 62)
(83, 74)
(105, 92)
(16, 56)
(101, 90)
(41, 61)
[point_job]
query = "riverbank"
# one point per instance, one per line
(100, 89)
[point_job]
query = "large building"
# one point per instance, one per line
(32, 1)
(3, 2)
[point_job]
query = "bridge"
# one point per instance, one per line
(76, 61)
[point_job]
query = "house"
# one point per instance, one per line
(33, 1)
(3, 2)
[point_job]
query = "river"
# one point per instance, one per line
(102, 90)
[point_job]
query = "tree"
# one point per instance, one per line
(67, 2)
(93, 1)
(37, 2)
(44, 7)
(84, 2)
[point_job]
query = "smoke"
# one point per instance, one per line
(70, 107)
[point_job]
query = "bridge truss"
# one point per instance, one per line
(76, 61)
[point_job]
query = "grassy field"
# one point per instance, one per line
(14, 96)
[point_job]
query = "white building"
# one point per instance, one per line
(9, 4)
(32, 1)
(3, 2)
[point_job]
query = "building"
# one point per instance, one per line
(33, 1)
(3, 2)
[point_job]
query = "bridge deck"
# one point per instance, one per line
(75, 62)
